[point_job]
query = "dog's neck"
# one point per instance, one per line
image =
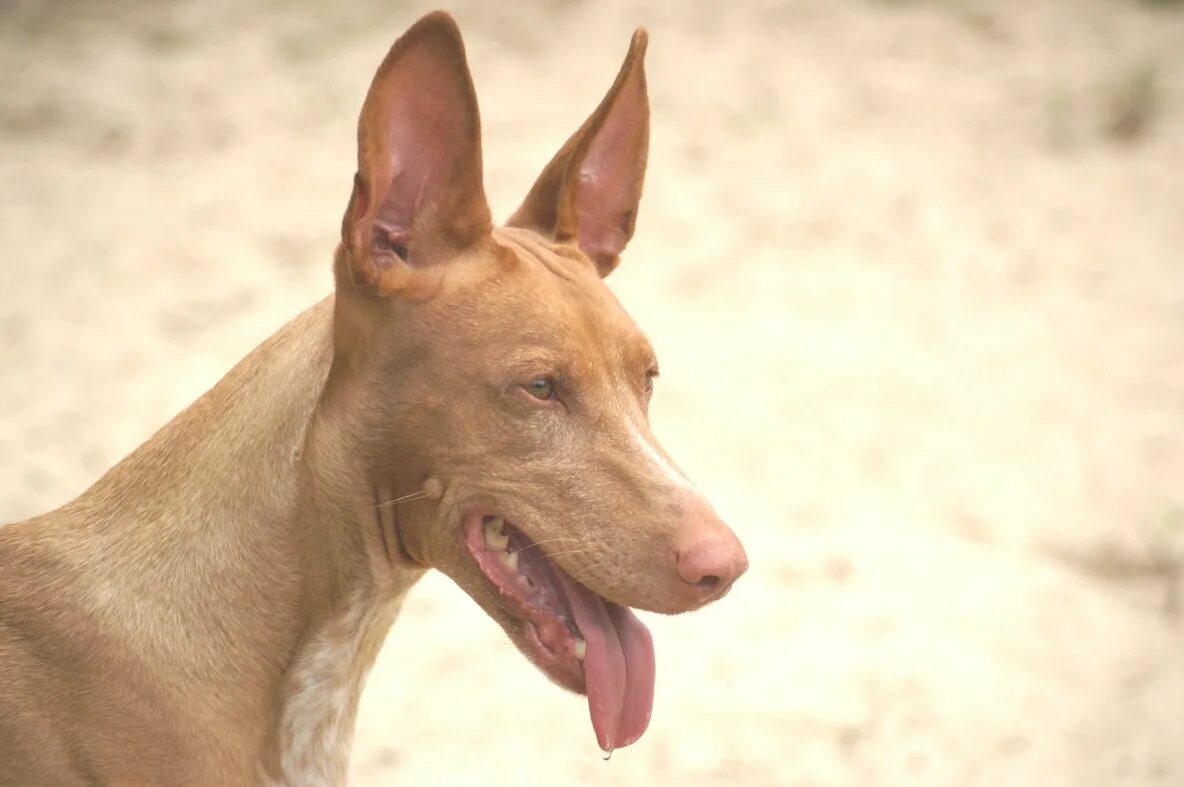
(263, 529)
(351, 595)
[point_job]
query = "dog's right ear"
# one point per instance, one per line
(419, 195)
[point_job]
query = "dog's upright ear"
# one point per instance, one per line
(418, 195)
(590, 191)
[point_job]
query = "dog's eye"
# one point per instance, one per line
(649, 381)
(541, 388)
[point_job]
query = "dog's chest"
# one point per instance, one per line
(321, 690)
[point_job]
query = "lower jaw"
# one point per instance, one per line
(558, 668)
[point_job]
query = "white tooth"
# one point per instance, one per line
(509, 560)
(494, 537)
(580, 649)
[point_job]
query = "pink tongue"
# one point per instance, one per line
(618, 667)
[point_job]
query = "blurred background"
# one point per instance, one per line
(915, 271)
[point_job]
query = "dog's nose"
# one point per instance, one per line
(712, 566)
(713, 559)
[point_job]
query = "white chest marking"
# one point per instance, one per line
(316, 726)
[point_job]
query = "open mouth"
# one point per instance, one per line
(581, 640)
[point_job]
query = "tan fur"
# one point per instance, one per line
(207, 612)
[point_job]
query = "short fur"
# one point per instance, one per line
(207, 612)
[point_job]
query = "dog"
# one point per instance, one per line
(470, 398)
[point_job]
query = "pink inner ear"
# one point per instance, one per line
(418, 145)
(611, 173)
(421, 144)
(603, 234)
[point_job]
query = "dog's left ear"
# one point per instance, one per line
(590, 190)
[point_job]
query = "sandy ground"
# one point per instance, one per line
(916, 275)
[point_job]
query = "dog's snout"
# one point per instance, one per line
(710, 558)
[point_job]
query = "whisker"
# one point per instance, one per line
(549, 541)
(589, 571)
(404, 499)
(580, 551)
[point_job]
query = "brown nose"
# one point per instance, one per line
(711, 566)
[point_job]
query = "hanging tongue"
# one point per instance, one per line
(618, 666)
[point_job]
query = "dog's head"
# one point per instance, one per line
(493, 366)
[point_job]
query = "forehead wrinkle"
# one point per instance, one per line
(559, 261)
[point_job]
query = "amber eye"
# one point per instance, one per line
(541, 388)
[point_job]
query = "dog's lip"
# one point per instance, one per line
(546, 623)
